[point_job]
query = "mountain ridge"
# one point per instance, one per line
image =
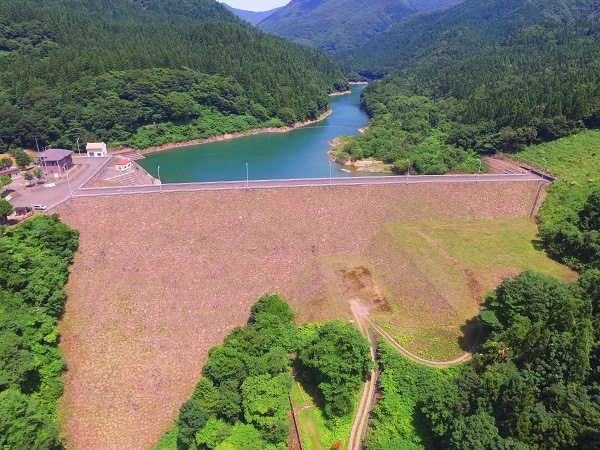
(253, 17)
(336, 25)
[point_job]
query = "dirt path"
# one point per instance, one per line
(361, 313)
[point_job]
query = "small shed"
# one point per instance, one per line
(12, 172)
(123, 164)
(96, 149)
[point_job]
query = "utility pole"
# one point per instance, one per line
(407, 170)
(247, 176)
(68, 181)
(479, 172)
(545, 168)
(329, 173)
(159, 182)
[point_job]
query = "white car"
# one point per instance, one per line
(39, 207)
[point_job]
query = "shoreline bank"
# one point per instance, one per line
(336, 94)
(218, 138)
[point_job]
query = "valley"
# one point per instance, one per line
(254, 293)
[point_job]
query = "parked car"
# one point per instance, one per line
(40, 207)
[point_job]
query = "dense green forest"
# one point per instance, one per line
(242, 400)
(338, 25)
(33, 273)
(110, 70)
(451, 100)
(456, 33)
(534, 383)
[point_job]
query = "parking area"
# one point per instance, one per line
(54, 191)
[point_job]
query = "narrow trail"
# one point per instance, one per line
(463, 358)
(361, 313)
(364, 407)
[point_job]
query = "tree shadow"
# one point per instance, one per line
(473, 333)
(309, 387)
(538, 244)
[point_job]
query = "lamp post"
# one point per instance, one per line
(407, 170)
(247, 176)
(329, 173)
(78, 151)
(159, 182)
(545, 167)
(479, 171)
(68, 181)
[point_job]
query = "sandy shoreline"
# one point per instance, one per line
(335, 94)
(222, 137)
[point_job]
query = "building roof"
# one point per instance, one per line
(9, 170)
(122, 162)
(95, 146)
(54, 154)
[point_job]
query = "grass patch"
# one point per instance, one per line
(168, 440)
(575, 160)
(318, 433)
(315, 430)
(495, 249)
(435, 275)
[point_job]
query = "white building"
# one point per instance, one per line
(96, 149)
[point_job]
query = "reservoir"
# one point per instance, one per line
(301, 153)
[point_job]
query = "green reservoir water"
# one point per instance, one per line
(300, 153)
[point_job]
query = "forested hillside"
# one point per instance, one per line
(452, 101)
(337, 25)
(460, 31)
(33, 273)
(532, 384)
(64, 62)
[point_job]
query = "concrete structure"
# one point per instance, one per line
(21, 210)
(55, 161)
(123, 164)
(96, 149)
(12, 172)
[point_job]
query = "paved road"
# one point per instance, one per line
(54, 196)
(270, 184)
(51, 196)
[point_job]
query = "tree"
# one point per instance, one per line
(6, 209)
(38, 173)
(29, 177)
(22, 425)
(225, 364)
(21, 158)
(5, 180)
(273, 305)
(337, 358)
(5, 163)
(243, 436)
(266, 404)
(192, 419)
